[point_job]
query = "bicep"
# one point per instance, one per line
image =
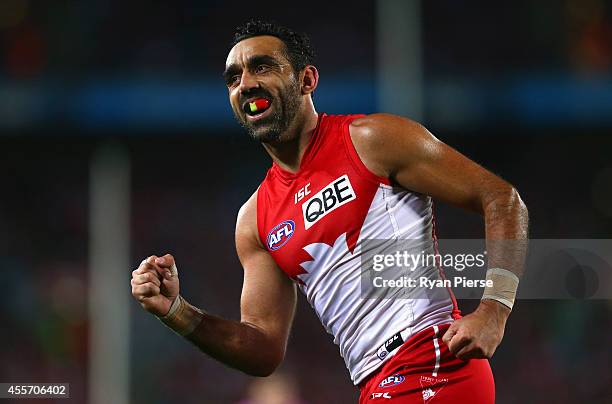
(268, 296)
(440, 171)
(415, 159)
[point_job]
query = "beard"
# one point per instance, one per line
(286, 106)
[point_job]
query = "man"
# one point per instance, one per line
(336, 181)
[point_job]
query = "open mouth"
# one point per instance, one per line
(256, 106)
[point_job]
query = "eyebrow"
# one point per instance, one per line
(253, 61)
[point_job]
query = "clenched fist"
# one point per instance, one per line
(155, 284)
(477, 335)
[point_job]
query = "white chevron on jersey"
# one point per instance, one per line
(332, 282)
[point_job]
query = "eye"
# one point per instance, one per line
(232, 80)
(261, 69)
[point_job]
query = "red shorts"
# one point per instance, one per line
(424, 371)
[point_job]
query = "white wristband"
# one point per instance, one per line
(182, 317)
(173, 307)
(503, 286)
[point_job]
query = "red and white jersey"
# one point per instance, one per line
(313, 222)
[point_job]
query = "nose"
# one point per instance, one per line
(247, 82)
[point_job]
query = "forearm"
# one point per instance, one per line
(506, 226)
(240, 345)
(506, 229)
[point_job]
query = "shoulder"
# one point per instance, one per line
(381, 128)
(246, 222)
(385, 141)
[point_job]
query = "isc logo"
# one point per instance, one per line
(280, 234)
(331, 197)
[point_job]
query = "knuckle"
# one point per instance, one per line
(151, 289)
(461, 338)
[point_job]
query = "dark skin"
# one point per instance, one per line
(390, 146)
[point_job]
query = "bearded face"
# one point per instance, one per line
(264, 90)
(279, 110)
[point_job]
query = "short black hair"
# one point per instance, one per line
(299, 50)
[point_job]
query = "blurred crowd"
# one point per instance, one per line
(67, 38)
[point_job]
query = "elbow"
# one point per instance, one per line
(517, 203)
(506, 204)
(262, 371)
(506, 198)
(267, 365)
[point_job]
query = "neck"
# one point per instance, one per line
(288, 151)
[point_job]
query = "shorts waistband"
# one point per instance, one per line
(405, 340)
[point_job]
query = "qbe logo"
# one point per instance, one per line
(280, 234)
(331, 197)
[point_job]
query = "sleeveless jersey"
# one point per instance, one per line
(314, 222)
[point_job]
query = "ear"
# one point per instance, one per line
(310, 79)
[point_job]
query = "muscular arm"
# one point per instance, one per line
(256, 344)
(411, 157)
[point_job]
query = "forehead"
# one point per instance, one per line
(259, 45)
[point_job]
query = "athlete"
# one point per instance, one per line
(335, 182)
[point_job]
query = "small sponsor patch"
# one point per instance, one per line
(280, 234)
(380, 395)
(392, 381)
(431, 386)
(390, 345)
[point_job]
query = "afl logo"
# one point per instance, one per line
(280, 234)
(392, 381)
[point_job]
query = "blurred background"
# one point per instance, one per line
(117, 142)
